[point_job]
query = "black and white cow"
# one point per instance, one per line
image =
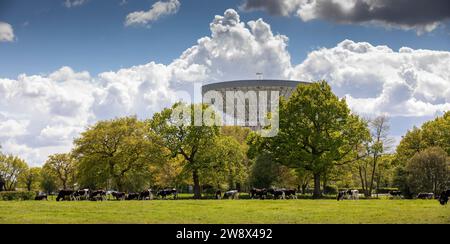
(146, 195)
(258, 193)
(98, 195)
(443, 198)
(118, 195)
(348, 194)
(218, 195)
(290, 193)
(82, 194)
(277, 193)
(232, 195)
(167, 192)
(65, 195)
(132, 196)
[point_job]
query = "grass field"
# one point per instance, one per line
(226, 211)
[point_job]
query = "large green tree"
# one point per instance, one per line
(184, 132)
(62, 167)
(316, 130)
(116, 153)
(11, 169)
(30, 178)
(429, 171)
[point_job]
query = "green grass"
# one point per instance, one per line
(226, 211)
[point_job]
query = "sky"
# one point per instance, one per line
(65, 64)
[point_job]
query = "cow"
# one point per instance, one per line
(425, 195)
(277, 194)
(218, 195)
(82, 194)
(146, 195)
(132, 196)
(63, 194)
(258, 193)
(443, 198)
(98, 195)
(395, 193)
(118, 195)
(40, 197)
(348, 194)
(166, 192)
(290, 193)
(232, 194)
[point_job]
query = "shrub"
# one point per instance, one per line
(17, 195)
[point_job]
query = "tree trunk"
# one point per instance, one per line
(195, 178)
(372, 178)
(317, 193)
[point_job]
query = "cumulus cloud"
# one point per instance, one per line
(157, 11)
(74, 3)
(41, 114)
(6, 32)
(420, 15)
(379, 80)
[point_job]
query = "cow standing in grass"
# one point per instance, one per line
(118, 195)
(258, 193)
(232, 195)
(167, 192)
(64, 194)
(146, 195)
(443, 198)
(277, 194)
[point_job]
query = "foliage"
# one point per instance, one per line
(429, 171)
(62, 167)
(182, 137)
(17, 195)
(316, 130)
(11, 169)
(30, 178)
(117, 153)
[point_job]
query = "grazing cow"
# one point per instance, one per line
(348, 194)
(166, 192)
(233, 194)
(425, 195)
(290, 193)
(98, 195)
(258, 193)
(132, 196)
(119, 195)
(218, 195)
(395, 193)
(81, 195)
(443, 198)
(146, 195)
(63, 194)
(277, 194)
(41, 196)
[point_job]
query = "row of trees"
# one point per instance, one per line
(319, 143)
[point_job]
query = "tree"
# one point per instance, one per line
(378, 145)
(117, 153)
(181, 136)
(429, 171)
(11, 169)
(224, 163)
(30, 178)
(316, 130)
(48, 180)
(62, 166)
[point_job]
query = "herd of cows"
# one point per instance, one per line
(255, 193)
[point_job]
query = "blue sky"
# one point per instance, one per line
(65, 66)
(93, 36)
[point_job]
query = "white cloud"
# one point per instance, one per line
(74, 3)
(6, 32)
(377, 79)
(157, 11)
(41, 114)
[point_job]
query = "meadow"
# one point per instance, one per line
(226, 212)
